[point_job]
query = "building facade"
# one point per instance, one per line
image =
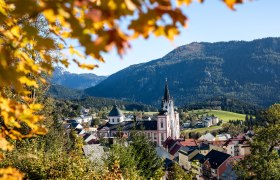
(164, 125)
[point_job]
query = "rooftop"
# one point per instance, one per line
(130, 125)
(215, 158)
(115, 111)
(189, 142)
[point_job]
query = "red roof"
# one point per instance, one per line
(169, 142)
(189, 142)
(218, 143)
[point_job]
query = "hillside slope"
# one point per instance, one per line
(248, 71)
(75, 81)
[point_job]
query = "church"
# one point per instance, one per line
(164, 125)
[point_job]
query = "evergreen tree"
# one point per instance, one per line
(148, 161)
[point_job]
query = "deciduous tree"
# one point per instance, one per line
(264, 160)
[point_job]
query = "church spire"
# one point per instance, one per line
(166, 92)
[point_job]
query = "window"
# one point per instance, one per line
(118, 119)
(162, 136)
(113, 120)
(155, 135)
(161, 123)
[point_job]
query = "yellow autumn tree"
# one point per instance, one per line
(27, 55)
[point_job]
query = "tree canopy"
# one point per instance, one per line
(264, 160)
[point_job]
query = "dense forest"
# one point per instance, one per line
(226, 104)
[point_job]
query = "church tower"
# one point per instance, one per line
(168, 117)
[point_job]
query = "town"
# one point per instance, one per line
(207, 157)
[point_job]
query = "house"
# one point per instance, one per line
(71, 121)
(187, 155)
(190, 159)
(174, 150)
(207, 137)
(86, 119)
(89, 138)
(229, 173)
(187, 124)
(78, 119)
(165, 124)
(76, 126)
(222, 137)
(210, 121)
(237, 146)
(214, 164)
(80, 132)
(189, 143)
(207, 122)
(204, 148)
(218, 146)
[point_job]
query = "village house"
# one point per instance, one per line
(189, 159)
(207, 137)
(210, 121)
(214, 164)
(237, 146)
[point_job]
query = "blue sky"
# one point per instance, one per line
(211, 21)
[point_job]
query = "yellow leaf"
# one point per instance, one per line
(15, 31)
(50, 16)
(60, 46)
(231, 3)
(35, 107)
(41, 131)
(10, 173)
(3, 7)
(71, 50)
(28, 82)
(5, 145)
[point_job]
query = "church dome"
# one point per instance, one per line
(115, 111)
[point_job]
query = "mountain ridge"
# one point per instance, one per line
(245, 70)
(73, 80)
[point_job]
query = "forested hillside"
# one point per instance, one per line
(247, 71)
(75, 81)
(75, 97)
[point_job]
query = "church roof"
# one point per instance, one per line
(115, 111)
(131, 125)
(166, 96)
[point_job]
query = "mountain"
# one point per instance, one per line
(247, 71)
(73, 96)
(75, 81)
(61, 92)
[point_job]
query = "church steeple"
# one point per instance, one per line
(166, 96)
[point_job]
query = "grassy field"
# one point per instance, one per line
(203, 130)
(223, 115)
